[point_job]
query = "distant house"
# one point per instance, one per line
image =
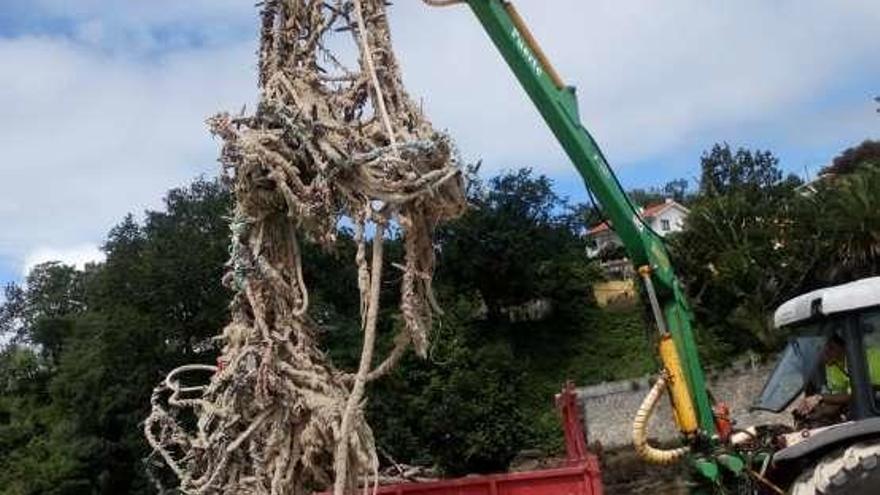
(603, 243)
(663, 218)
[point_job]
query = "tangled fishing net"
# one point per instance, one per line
(326, 142)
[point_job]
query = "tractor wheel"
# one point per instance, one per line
(854, 470)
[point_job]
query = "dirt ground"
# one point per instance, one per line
(623, 473)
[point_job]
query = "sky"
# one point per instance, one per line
(104, 101)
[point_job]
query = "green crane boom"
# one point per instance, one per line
(557, 104)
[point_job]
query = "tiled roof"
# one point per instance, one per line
(654, 210)
(602, 227)
(648, 212)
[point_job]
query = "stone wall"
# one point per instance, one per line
(609, 407)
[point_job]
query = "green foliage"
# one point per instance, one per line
(41, 313)
(96, 342)
(473, 419)
(486, 391)
(854, 158)
(731, 252)
(676, 189)
(754, 240)
(591, 347)
(745, 172)
(646, 197)
(844, 211)
(460, 410)
(85, 347)
(517, 233)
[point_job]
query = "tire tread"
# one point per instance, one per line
(854, 470)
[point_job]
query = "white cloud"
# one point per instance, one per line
(153, 13)
(652, 76)
(141, 26)
(87, 137)
(103, 120)
(77, 256)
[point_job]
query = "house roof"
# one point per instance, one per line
(647, 213)
(602, 227)
(654, 210)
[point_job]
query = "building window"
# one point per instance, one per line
(664, 225)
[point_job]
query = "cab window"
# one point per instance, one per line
(796, 369)
(870, 324)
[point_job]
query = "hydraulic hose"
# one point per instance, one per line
(640, 430)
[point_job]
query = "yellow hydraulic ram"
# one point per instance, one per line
(682, 404)
(671, 378)
(682, 407)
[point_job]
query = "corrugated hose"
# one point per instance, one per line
(640, 430)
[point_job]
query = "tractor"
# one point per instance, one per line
(832, 362)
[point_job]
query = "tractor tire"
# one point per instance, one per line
(854, 470)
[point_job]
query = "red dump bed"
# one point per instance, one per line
(582, 478)
(579, 476)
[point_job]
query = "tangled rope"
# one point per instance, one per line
(326, 142)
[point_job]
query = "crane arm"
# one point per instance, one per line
(557, 104)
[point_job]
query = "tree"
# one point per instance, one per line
(585, 216)
(518, 244)
(71, 399)
(732, 253)
(98, 340)
(852, 158)
(646, 197)
(427, 412)
(844, 212)
(39, 313)
(725, 171)
(677, 190)
(515, 245)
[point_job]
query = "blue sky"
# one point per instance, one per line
(105, 99)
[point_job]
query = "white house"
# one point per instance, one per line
(663, 218)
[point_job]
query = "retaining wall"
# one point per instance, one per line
(609, 407)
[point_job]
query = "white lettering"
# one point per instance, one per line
(527, 53)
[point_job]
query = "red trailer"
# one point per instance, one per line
(579, 474)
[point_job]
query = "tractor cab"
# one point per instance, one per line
(832, 362)
(833, 350)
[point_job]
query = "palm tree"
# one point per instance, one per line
(849, 218)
